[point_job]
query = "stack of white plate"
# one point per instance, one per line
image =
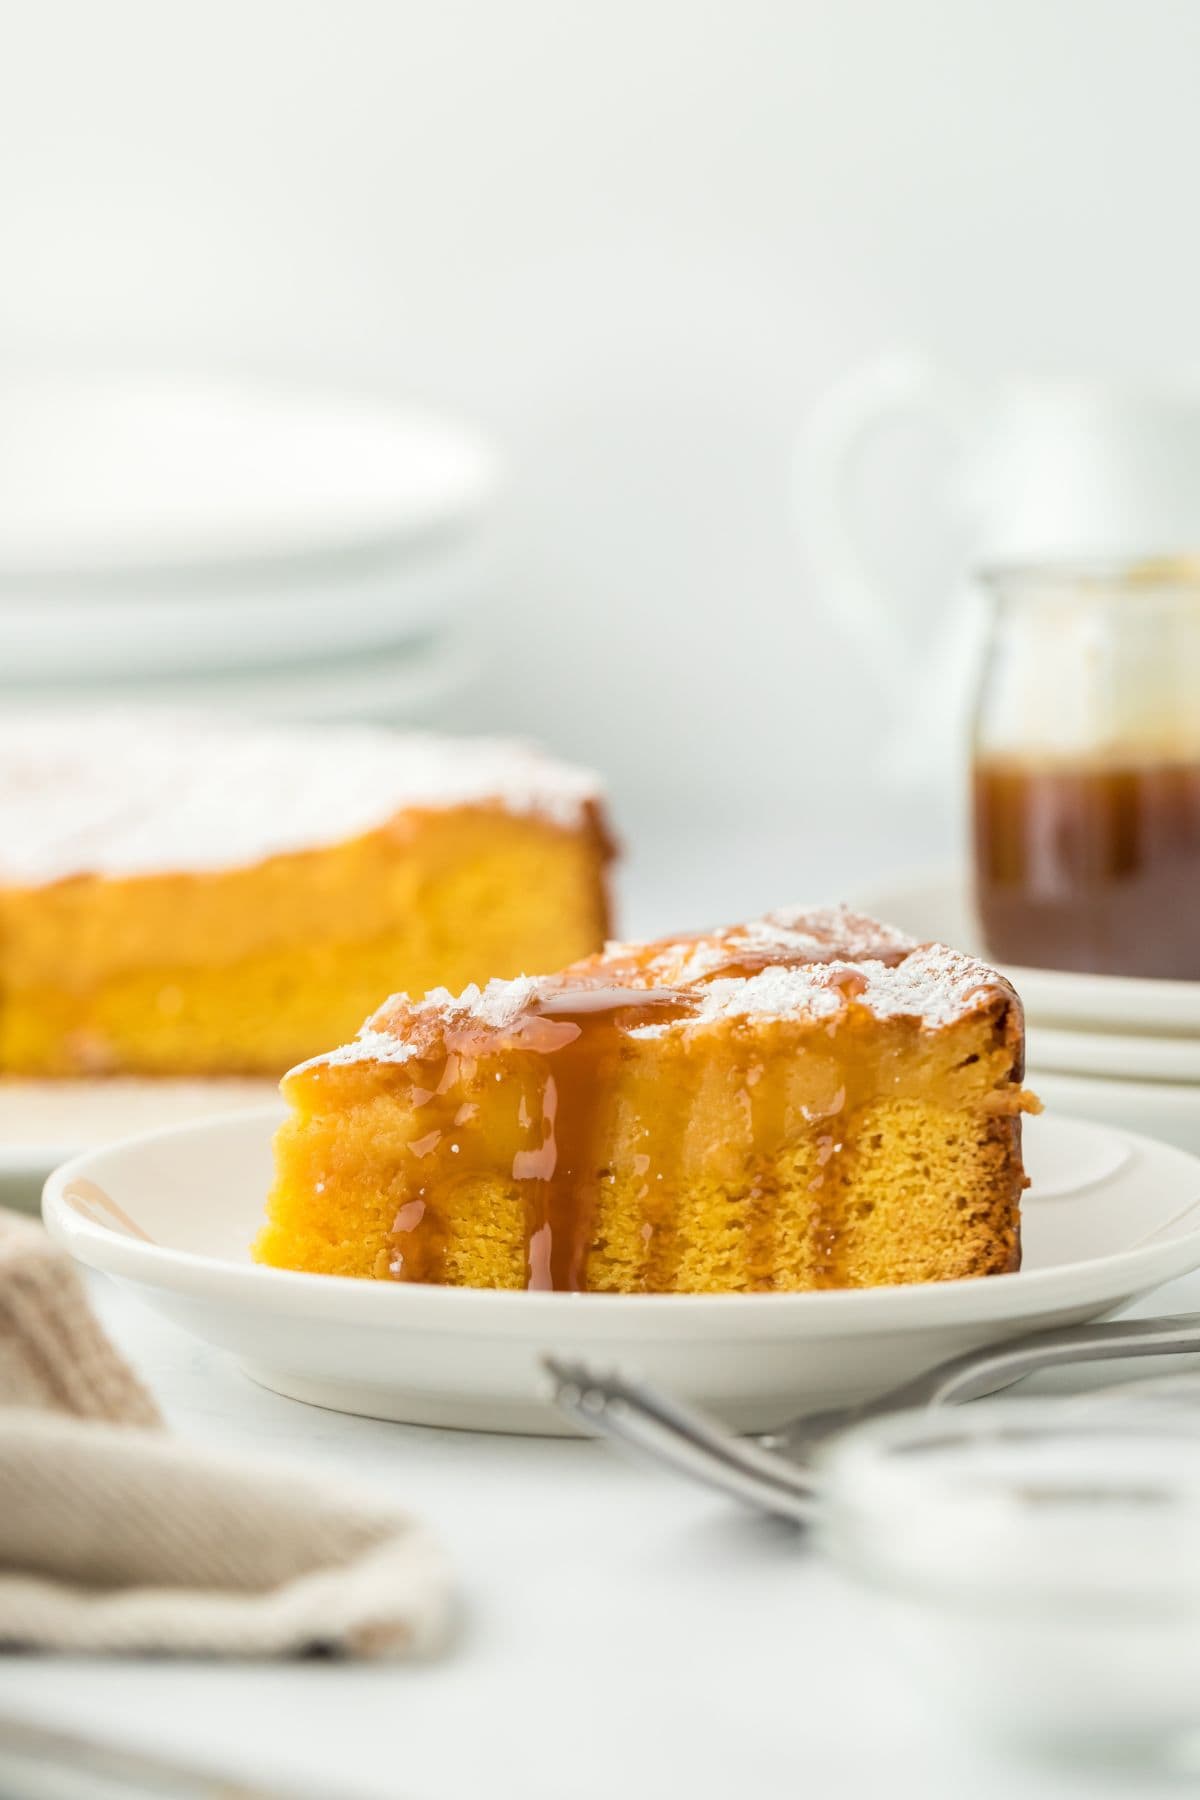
(218, 542)
(1114, 1048)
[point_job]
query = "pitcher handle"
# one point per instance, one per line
(898, 386)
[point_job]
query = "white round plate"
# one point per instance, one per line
(388, 683)
(155, 524)
(125, 472)
(188, 632)
(936, 904)
(42, 1123)
(1115, 1055)
(1109, 1217)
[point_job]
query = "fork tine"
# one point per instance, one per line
(699, 1427)
(647, 1438)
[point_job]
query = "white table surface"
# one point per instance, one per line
(620, 1634)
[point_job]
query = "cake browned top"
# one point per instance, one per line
(804, 963)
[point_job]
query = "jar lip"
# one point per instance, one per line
(1039, 1491)
(1102, 574)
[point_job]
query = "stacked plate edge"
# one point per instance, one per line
(1117, 1049)
(217, 542)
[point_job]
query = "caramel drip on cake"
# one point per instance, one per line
(567, 1050)
(810, 1100)
(663, 1191)
(765, 1106)
(828, 1217)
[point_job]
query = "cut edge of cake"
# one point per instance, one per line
(803, 1084)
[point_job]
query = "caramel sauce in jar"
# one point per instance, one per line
(1087, 767)
(1090, 865)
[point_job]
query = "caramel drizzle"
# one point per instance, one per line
(765, 1105)
(828, 1215)
(562, 1050)
(1090, 865)
(561, 1200)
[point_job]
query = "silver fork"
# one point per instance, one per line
(771, 1472)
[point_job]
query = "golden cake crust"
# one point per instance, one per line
(798, 963)
(190, 896)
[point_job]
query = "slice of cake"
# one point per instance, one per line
(808, 1101)
(187, 896)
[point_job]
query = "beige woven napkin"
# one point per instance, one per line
(115, 1536)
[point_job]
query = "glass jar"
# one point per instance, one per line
(1038, 1571)
(1086, 769)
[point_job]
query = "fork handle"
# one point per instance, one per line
(982, 1371)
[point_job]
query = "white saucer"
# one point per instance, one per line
(1115, 1055)
(170, 524)
(187, 630)
(1108, 1218)
(936, 904)
(42, 1123)
(117, 472)
(398, 683)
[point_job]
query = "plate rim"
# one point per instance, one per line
(1132, 1087)
(35, 1160)
(290, 1292)
(467, 483)
(1050, 1047)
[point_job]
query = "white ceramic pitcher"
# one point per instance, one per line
(1041, 470)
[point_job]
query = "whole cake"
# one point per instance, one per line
(180, 895)
(812, 1100)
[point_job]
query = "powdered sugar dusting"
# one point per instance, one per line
(103, 794)
(493, 1007)
(793, 935)
(368, 1046)
(933, 984)
(833, 932)
(789, 965)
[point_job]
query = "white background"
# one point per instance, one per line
(635, 240)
